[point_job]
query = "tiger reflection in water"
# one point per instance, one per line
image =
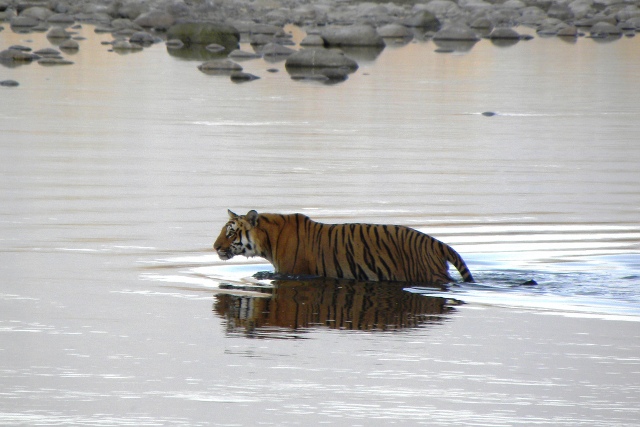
(337, 304)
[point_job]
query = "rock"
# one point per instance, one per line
(488, 114)
(205, 34)
(142, 38)
(443, 9)
(241, 54)
(219, 65)
(23, 22)
(312, 40)
(9, 83)
(560, 11)
(124, 24)
(58, 33)
(456, 32)
(320, 58)
(12, 55)
(124, 45)
(20, 48)
(61, 18)
(424, 20)
(54, 61)
(567, 31)
(274, 50)
(156, 19)
(352, 35)
(239, 76)
(37, 12)
(48, 51)
(482, 23)
(69, 45)
(504, 34)
(395, 31)
(604, 29)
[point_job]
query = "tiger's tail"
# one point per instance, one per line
(454, 258)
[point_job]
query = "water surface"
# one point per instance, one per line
(117, 172)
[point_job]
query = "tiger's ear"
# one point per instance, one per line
(252, 217)
(231, 214)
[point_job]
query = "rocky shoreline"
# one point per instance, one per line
(219, 26)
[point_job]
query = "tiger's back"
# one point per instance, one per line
(295, 244)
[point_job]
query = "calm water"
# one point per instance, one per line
(117, 172)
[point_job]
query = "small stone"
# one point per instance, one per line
(239, 76)
(488, 114)
(54, 61)
(58, 33)
(214, 48)
(69, 45)
(9, 83)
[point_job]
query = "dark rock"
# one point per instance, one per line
(239, 76)
(320, 58)
(205, 34)
(9, 83)
(488, 114)
(20, 48)
(352, 35)
(482, 23)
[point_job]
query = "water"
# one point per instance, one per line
(117, 172)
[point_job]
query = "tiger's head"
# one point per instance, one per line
(236, 236)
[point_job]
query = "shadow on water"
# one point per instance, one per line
(296, 306)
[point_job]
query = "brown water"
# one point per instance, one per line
(117, 172)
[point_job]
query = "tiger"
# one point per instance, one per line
(296, 245)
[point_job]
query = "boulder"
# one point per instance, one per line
(424, 20)
(23, 22)
(205, 34)
(276, 50)
(604, 29)
(69, 45)
(312, 40)
(37, 12)
(456, 32)
(58, 33)
(504, 34)
(320, 58)
(395, 31)
(14, 55)
(352, 35)
(157, 19)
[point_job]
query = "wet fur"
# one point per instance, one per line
(295, 244)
